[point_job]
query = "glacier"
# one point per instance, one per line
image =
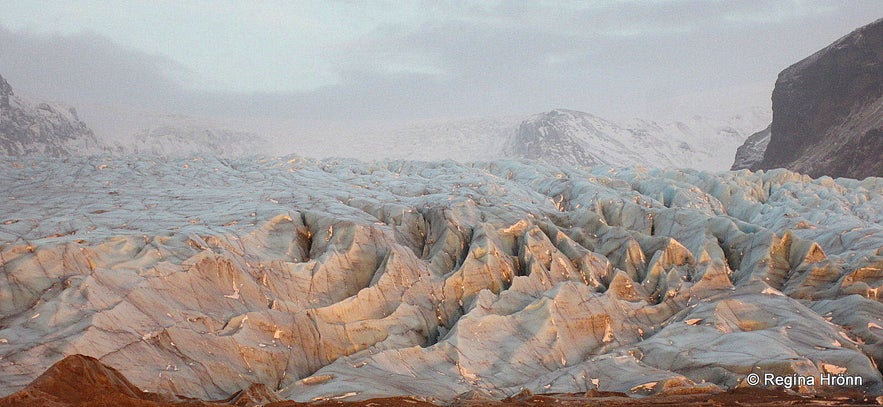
(339, 278)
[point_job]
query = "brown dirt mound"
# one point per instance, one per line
(84, 381)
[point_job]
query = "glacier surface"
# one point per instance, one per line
(345, 279)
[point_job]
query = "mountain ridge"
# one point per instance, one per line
(53, 129)
(558, 136)
(583, 139)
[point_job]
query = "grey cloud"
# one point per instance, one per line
(621, 59)
(87, 68)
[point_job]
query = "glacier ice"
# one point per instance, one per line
(320, 279)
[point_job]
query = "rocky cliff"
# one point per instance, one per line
(828, 111)
(751, 152)
(41, 128)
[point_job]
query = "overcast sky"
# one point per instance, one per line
(348, 61)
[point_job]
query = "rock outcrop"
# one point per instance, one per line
(341, 279)
(79, 380)
(828, 110)
(49, 129)
(751, 152)
(5, 93)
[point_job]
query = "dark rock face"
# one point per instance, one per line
(41, 129)
(828, 111)
(752, 151)
(5, 92)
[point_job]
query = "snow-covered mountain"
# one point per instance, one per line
(134, 131)
(55, 129)
(185, 140)
(560, 137)
(40, 128)
(582, 139)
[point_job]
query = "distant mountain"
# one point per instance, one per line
(134, 131)
(190, 139)
(751, 152)
(581, 139)
(54, 129)
(559, 137)
(51, 129)
(828, 110)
